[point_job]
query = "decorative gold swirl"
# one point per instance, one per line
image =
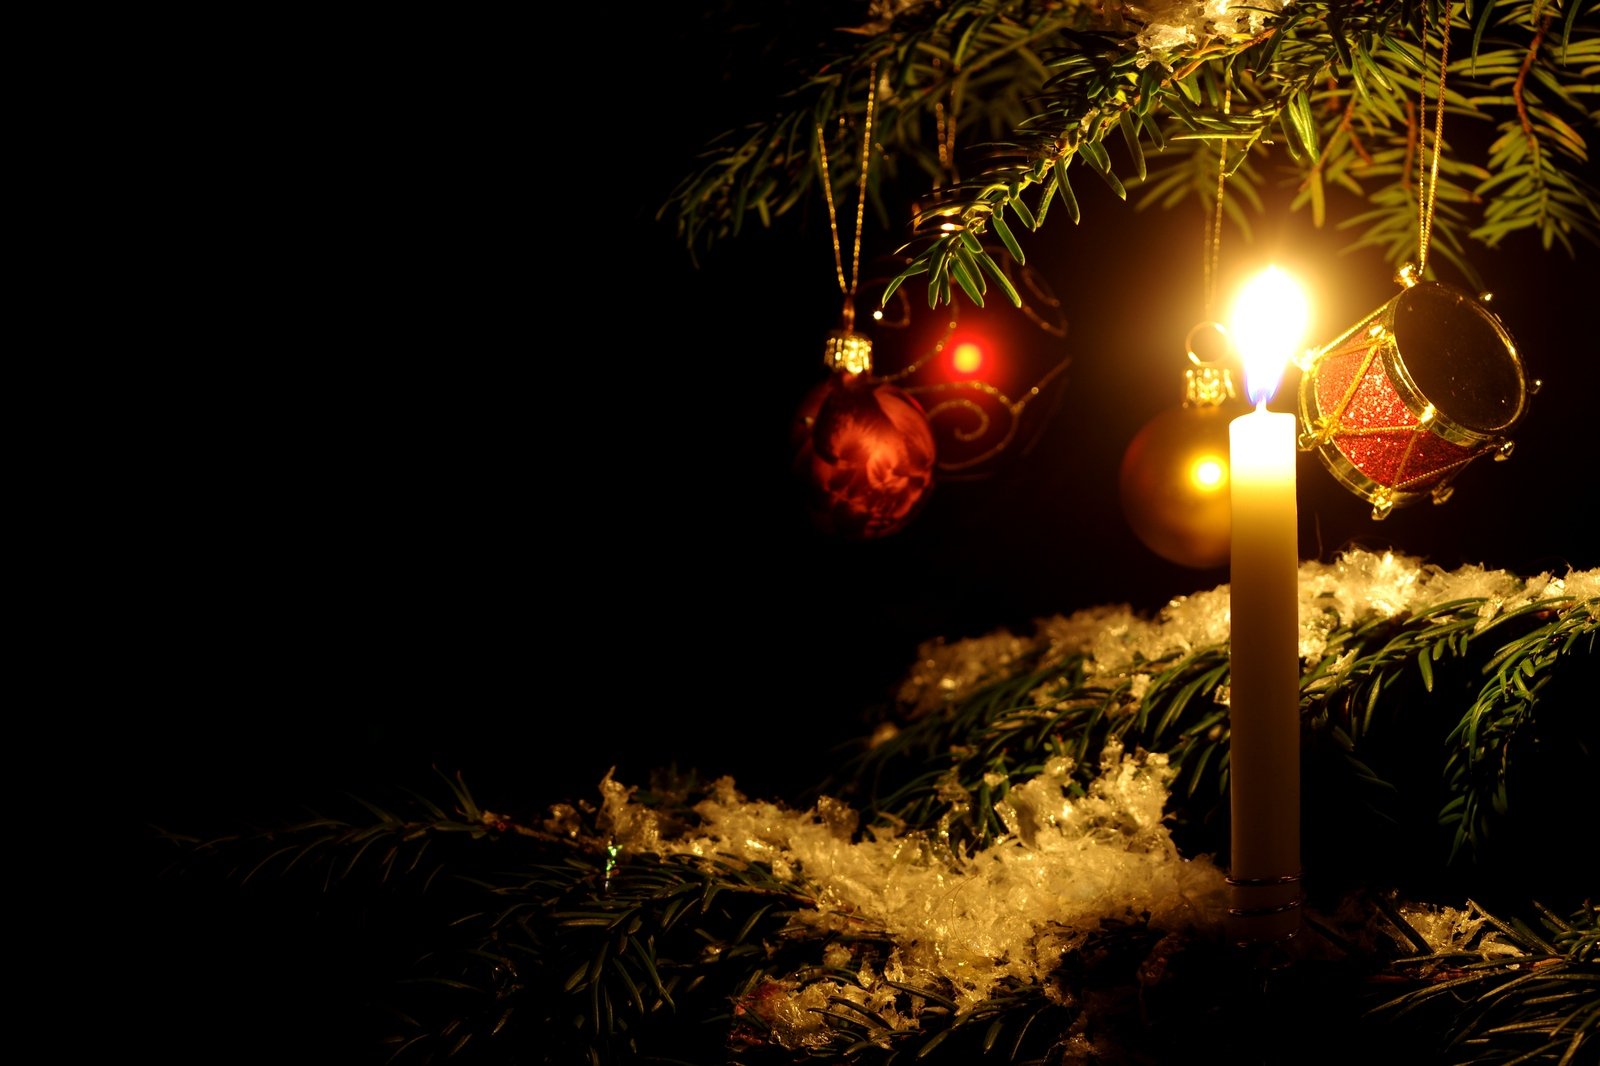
(1000, 410)
(973, 421)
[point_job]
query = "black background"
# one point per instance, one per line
(463, 466)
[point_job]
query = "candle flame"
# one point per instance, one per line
(1270, 317)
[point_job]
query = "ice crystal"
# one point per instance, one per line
(965, 921)
(1176, 24)
(1444, 928)
(1086, 632)
(1450, 929)
(961, 923)
(1357, 587)
(946, 672)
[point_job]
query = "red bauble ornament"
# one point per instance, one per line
(866, 454)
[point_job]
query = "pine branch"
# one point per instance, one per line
(570, 936)
(948, 771)
(1536, 158)
(1481, 743)
(1320, 97)
(1505, 992)
(978, 58)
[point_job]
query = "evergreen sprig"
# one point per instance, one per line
(975, 60)
(1509, 993)
(544, 938)
(1329, 100)
(1481, 743)
(538, 927)
(1362, 706)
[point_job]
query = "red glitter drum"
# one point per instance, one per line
(1401, 401)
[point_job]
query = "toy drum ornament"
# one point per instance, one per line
(1400, 402)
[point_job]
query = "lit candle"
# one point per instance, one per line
(1264, 601)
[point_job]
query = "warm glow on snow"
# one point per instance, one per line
(1070, 859)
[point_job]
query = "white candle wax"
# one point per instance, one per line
(1264, 704)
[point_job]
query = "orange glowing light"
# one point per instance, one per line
(967, 357)
(1208, 473)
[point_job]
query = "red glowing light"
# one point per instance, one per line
(967, 357)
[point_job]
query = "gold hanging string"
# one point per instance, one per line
(1212, 248)
(1427, 190)
(944, 135)
(1205, 382)
(849, 288)
(940, 123)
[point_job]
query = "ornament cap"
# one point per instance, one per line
(848, 352)
(1207, 386)
(1207, 383)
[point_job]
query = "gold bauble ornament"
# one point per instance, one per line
(1174, 477)
(1174, 485)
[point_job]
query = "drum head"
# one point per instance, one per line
(1460, 358)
